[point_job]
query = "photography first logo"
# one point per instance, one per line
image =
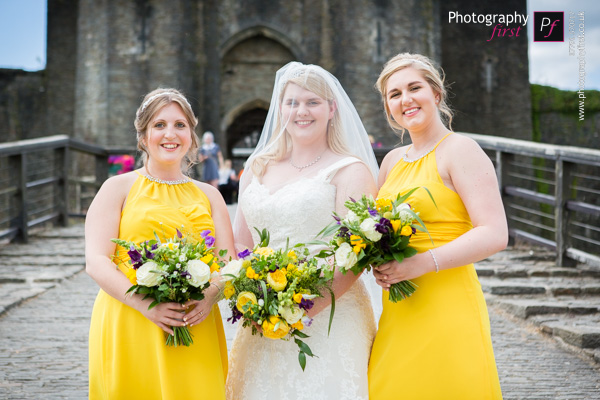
(501, 22)
(548, 26)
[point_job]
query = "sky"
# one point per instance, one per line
(23, 41)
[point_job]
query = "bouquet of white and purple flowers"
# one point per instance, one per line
(273, 289)
(173, 270)
(373, 233)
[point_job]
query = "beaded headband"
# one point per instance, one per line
(414, 60)
(157, 95)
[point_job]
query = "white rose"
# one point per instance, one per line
(345, 258)
(352, 217)
(291, 314)
(146, 277)
(199, 271)
(232, 268)
(368, 228)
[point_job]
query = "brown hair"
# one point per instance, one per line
(152, 104)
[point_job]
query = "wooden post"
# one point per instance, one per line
(502, 165)
(19, 165)
(561, 212)
(101, 169)
(61, 186)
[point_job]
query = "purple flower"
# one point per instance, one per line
(205, 233)
(149, 253)
(354, 201)
(336, 218)
(372, 213)
(185, 274)
(306, 304)
(343, 232)
(209, 240)
(179, 235)
(244, 254)
(235, 316)
(383, 226)
(135, 256)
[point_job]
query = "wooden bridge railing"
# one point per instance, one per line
(551, 193)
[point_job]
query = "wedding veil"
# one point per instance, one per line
(346, 136)
(346, 126)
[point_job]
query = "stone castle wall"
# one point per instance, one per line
(104, 55)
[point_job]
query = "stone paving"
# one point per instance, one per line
(46, 302)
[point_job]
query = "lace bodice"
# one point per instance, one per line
(261, 368)
(285, 213)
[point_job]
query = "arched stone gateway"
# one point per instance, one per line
(248, 70)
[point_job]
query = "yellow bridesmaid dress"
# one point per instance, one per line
(436, 344)
(128, 358)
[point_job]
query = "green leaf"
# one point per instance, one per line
(410, 251)
(300, 334)
(302, 360)
(304, 347)
(332, 310)
(264, 289)
(153, 304)
(398, 257)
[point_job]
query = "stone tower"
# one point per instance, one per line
(104, 55)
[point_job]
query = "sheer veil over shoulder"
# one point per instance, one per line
(298, 209)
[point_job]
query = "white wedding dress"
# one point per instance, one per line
(262, 368)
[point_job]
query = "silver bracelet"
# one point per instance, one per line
(437, 267)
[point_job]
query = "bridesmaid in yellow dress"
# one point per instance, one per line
(128, 358)
(437, 343)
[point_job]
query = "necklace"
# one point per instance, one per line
(405, 156)
(177, 182)
(301, 167)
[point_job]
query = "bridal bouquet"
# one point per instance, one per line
(374, 233)
(174, 270)
(271, 290)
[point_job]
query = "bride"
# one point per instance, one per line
(313, 155)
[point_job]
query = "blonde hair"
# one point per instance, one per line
(152, 104)
(430, 73)
(280, 143)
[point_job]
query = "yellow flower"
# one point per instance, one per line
(173, 246)
(229, 290)
(250, 273)
(357, 243)
(214, 267)
(264, 251)
(207, 259)
(292, 254)
(277, 280)
(383, 203)
(396, 223)
(298, 325)
(269, 330)
(298, 297)
(406, 231)
(246, 264)
(245, 298)
(131, 275)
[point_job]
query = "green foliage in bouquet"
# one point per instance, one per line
(372, 233)
(272, 290)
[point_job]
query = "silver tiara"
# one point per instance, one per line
(157, 95)
(293, 72)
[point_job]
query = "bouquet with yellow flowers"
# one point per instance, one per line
(271, 291)
(373, 233)
(174, 270)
